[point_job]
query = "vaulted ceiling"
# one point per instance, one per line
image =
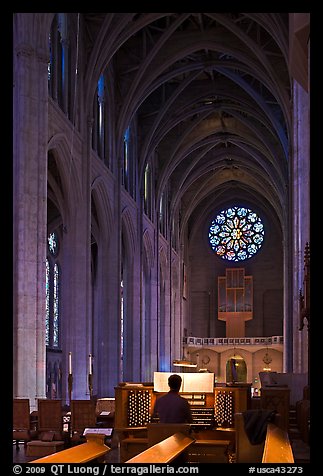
(211, 93)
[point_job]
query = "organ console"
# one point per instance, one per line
(212, 408)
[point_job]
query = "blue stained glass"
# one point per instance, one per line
(56, 308)
(101, 88)
(52, 286)
(47, 302)
(53, 244)
(236, 234)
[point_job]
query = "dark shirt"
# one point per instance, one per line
(172, 408)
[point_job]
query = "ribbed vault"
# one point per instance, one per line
(211, 95)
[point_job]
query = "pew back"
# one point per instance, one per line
(93, 449)
(50, 415)
(82, 415)
(165, 451)
(277, 447)
(157, 432)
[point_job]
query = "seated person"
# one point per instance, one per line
(171, 407)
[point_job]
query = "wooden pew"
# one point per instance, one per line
(133, 440)
(165, 451)
(277, 446)
(93, 449)
(209, 451)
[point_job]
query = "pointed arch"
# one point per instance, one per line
(129, 232)
(103, 208)
(68, 172)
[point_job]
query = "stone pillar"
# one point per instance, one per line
(30, 97)
(135, 315)
(301, 216)
(154, 315)
(75, 295)
(167, 330)
(288, 318)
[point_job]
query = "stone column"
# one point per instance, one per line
(29, 224)
(301, 216)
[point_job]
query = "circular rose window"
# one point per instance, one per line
(236, 234)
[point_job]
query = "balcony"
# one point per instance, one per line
(222, 343)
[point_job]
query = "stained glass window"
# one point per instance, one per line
(126, 162)
(101, 119)
(52, 316)
(53, 244)
(236, 233)
(55, 306)
(47, 302)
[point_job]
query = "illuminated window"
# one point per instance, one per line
(62, 63)
(101, 123)
(52, 293)
(236, 234)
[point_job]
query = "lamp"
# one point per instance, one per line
(183, 363)
(267, 360)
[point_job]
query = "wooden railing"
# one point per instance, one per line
(277, 446)
(93, 449)
(165, 451)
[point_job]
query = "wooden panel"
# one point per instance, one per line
(241, 398)
(277, 399)
(122, 399)
(165, 451)
(50, 415)
(21, 414)
(130, 447)
(277, 446)
(132, 440)
(82, 415)
(159, 431)
(209, 451)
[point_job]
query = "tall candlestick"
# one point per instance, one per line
(90, 364)
(70, 363)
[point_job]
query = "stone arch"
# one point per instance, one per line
(129, 233)
(69, 174)
(103, 208)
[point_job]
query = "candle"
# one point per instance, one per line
(70, 363)
(90, 364)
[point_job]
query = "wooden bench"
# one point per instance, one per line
(133, 440)
(277, 446)
(93, 449)
(50, 438)
(209, 451)
(165, 451)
